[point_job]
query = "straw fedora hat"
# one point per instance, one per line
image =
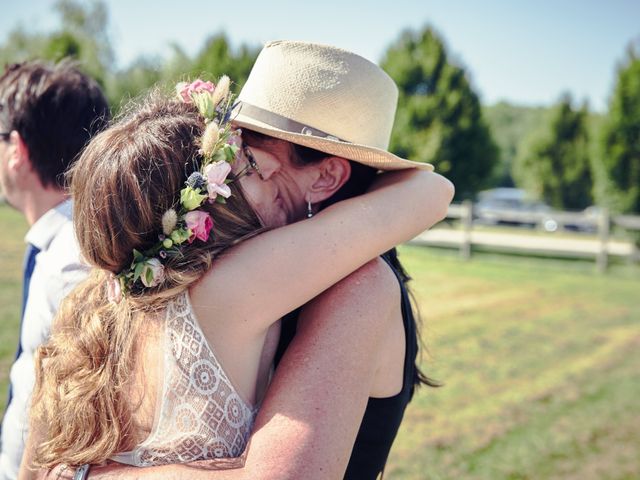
(324, 98)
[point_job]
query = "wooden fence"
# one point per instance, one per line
(598, 244)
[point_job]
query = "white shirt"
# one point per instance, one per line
(57, 270)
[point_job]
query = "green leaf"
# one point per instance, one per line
(180, 235)
(219, 155)
(149, 276)
(228, 153)
(138, 271)
(191, 199)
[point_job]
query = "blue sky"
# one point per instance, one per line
(522, 51)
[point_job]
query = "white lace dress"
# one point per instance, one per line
(201, 416)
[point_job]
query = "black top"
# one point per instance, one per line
(382, 416)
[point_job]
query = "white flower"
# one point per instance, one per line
(216, 174)
(152, 273)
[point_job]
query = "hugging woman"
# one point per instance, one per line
(163, 355)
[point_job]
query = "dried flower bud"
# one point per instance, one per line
(169, 220)
(221, 91)
(210, 138)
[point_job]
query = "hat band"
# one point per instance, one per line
(282, 123)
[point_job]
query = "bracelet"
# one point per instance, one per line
(82, 473)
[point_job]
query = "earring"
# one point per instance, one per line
(309, 209)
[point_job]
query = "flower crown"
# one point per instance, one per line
(186, 223)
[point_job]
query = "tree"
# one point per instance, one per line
(21, 46)
(217, 58)
(138, 77)
(556, 164)
(509, 124)
(82, 36)
(439, 117)
(621, 156)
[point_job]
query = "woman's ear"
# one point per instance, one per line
(333, 172)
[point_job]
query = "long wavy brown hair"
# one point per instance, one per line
(127, 177)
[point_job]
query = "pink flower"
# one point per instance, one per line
(186, 90)
(200, 223)
(216, 174)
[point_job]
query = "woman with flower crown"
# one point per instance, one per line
(159, 356)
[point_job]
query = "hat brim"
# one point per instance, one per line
(371, 156)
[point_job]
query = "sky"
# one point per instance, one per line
(523, 52)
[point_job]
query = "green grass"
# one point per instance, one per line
(13, 227)
(540, 364)
(540, 360)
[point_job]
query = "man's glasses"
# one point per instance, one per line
(250, 167)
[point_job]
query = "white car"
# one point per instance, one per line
(513, 206)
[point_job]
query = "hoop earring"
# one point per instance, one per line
(309, 209)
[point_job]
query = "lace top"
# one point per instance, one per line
(200, 414)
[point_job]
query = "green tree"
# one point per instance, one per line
(21, 46)
(556, 164)
(132, 81)
(621, 155)
(439, 117)
(509, 124)
(82, 36)
(217, 58)
(88, 22)
(85, 35)
(146, 72)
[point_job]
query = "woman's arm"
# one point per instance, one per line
(310, 417)
(270, 275)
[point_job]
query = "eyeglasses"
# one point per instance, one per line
(250, 167)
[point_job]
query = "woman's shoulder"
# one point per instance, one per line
(371, 292)
(374, 279)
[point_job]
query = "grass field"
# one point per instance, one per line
(12, 230)
(541, 365)
(540, 361)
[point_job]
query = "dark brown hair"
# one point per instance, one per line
(56, 109)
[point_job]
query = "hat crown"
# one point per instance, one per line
(326, 88)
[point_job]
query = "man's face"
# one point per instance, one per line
(274, 187)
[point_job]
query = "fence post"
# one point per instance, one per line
(603, 237)
(635, 253)
(467, 219)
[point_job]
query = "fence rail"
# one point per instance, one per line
(598, 245)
